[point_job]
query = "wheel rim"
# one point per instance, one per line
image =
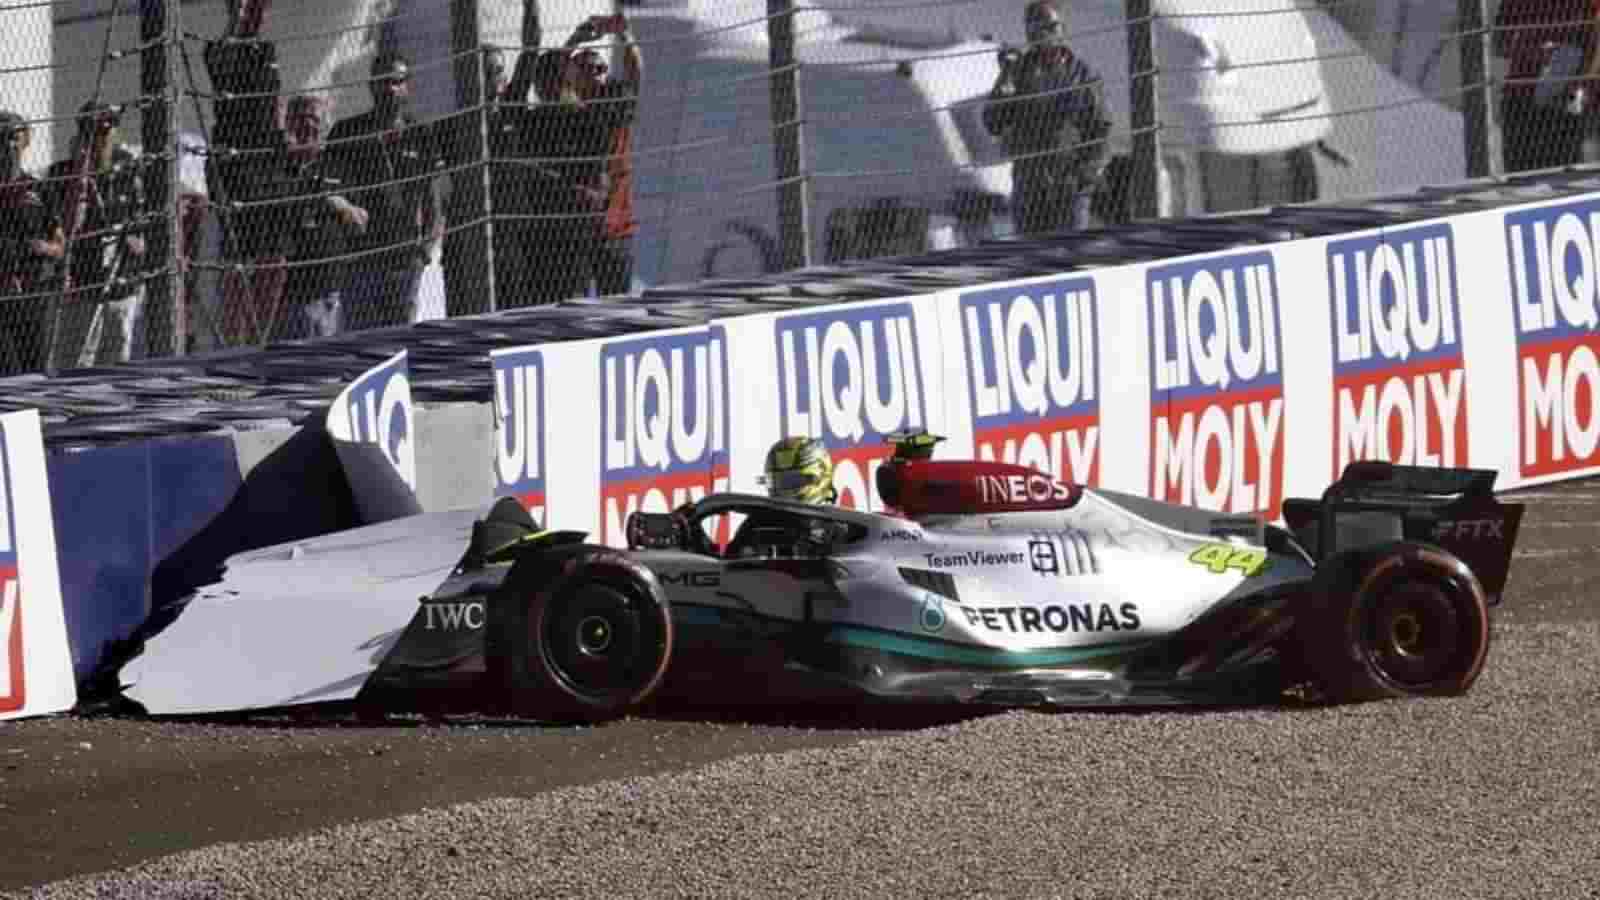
(1415, 634)
(602, 643)
(594, 635)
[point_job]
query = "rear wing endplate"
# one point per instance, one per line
(1454, 508)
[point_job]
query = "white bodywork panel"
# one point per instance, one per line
(1097, 575)
(302, 622)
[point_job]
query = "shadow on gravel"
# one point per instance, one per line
(827, 716)
(862, 717)
(1191, 711)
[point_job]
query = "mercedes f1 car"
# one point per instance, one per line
(986, 583)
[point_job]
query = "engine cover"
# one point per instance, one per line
(943, 487)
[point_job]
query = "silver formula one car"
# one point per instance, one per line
(990, 583)
(993, 583)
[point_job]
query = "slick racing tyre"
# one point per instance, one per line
(580, 633)
(1398, 620)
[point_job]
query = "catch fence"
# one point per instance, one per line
(227, 174)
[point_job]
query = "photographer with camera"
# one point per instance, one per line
(604, 137)
(1046, 109)
(1552, 53)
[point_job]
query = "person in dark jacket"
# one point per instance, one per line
(319, 224)
(561, 200)
(99, 191)
(519, 131)
(247, 150)
(605, 137)
(1047, 110)
(32, 245)
(391, 165)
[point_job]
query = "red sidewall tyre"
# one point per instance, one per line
(1401, 620)
(583, 633)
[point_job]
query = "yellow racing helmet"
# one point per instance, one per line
(799, 468)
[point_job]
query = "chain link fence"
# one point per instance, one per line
(185, 177)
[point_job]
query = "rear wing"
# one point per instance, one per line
(1369, 479)
(1452, 508)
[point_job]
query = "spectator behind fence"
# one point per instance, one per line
(1046, 109)
(198, 237)
(513, 134)
(31, 247)
(389, 164)
(320, 223)
(99, 191)
(605, 134)
(247, 146)
(466, 290)
(560, 208)
(1547, 104)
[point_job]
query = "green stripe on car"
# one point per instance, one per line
(909, 645)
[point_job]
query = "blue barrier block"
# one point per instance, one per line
(141, 525)
(119, 510)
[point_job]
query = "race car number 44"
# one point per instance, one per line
(1220, 558)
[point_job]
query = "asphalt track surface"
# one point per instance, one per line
(1491, 795)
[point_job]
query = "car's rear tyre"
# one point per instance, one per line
(1400, 620)
(582, 633)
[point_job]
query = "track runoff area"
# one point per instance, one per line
(1491, 794)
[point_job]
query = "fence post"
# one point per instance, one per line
(470, 131)
(164, 314)
(1145, 188)
(1481, 136)
(794, 231)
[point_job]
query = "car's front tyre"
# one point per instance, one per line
(582, 633)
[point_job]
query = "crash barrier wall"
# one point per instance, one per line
(1226, 380)
(140, 523)
(1465, 340)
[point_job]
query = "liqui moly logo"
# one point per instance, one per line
(851, 377)
(663, 424)
(13, 682)
(1555, 292)
(1033, 377)
(376, 409)
(519, 462)
(1217, 413)
(1399, 383)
